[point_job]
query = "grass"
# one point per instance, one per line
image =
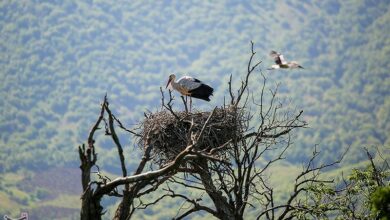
(11, 178)
(7, 206)
(64, 201)
(14, 191)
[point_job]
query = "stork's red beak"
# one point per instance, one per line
(169, 81)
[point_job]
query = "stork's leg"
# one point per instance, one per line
(186, 104)
(190, 103)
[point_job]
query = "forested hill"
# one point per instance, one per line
(59, 58)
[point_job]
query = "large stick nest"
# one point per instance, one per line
(170, 135)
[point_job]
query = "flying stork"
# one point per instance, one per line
(189, 86)
(281, 62)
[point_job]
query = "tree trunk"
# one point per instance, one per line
(123, 210)
(90, 207)
(224, 210)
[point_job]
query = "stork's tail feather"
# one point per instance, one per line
(202, 92)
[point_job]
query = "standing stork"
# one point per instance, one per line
(281, 62)
(189, 86)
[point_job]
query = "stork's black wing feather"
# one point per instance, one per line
(276, 57)
(202, 92)
(197, 80)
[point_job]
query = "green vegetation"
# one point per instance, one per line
(380, 200)
(59, 58)
(363, 194)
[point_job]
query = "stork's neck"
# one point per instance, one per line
(175, 85)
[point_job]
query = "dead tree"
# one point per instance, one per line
(137, 184)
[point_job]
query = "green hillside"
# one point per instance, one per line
(59, 58)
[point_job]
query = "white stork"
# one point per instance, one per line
(189, 86)
(281, 62)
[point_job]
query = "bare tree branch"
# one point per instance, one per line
(251, 68)
(168, 105)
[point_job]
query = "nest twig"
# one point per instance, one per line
(170, 135)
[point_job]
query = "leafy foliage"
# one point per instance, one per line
(380, 201)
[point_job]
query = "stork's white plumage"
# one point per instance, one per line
(190, 86)
(281, 62)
